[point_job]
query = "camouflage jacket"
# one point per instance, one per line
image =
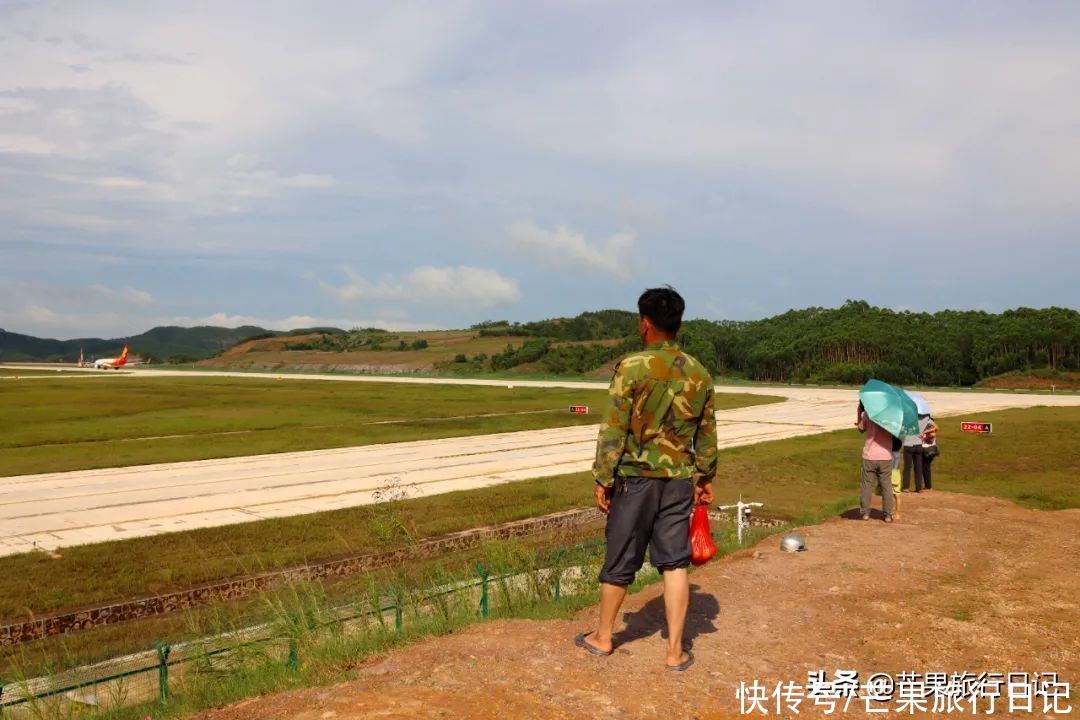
(660, 421)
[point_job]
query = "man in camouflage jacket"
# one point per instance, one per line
(655, 459)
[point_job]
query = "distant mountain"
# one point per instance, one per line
(160, 343)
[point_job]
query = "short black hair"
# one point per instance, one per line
(664, 307)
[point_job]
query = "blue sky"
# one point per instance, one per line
(437, 164)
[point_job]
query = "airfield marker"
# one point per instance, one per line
(743, 510)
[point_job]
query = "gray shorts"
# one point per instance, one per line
(651, 513)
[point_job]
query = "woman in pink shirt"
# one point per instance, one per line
(877, 461)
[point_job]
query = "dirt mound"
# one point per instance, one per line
(262, 344)
(962, 583)
(398, 352)
(1043, 380)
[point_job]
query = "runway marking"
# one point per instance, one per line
(404, 421)
(770, 422)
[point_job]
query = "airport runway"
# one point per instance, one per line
(63, 509)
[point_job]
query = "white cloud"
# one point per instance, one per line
(24, 144)
(247, 177)
(36, 318)
(126, 295)
(307, 180)
(9, 105)
(243, 161)
(57, 311)
(166, 94)
(41, 211)
(120, 182)
(866, 110)
(564, 248)
(155, 131)
(39, 314)
(714, 310)
(461, 286)
(136, 296)
(43, 321)
(296, 322)
(265, 183)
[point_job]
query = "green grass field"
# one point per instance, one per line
(52, 426)
(1030, 459)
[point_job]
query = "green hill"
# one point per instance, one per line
(848, 344)
(160, 343)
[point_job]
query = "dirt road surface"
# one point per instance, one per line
(961, 584)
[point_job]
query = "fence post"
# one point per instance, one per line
(399, 617)
(483, 589)
(163, 651)
(556, 567)
(293, 662)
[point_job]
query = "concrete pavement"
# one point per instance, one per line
(73, 508)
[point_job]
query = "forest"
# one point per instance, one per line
(849, 344)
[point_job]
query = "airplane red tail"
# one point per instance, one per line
(123, 357)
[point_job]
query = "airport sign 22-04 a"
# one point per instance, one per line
(976, 427)
(579, 409)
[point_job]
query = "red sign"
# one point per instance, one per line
(579, 409)
(976, 427)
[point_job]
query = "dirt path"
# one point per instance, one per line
(961, 584)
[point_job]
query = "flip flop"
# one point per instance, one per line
(683, 666)
(579, 640)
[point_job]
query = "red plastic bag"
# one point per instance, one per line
(702, 548)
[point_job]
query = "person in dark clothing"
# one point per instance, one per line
(914, 456)
(929, 447)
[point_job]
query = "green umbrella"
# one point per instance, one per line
(890, 407)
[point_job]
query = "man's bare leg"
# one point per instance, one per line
(676, 605)
(611, 599)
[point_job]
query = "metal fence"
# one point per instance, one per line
(152, 669)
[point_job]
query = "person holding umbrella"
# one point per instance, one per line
(877, 462)
(885, 412)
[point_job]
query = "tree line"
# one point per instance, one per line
(849, 344)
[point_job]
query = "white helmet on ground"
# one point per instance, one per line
(793, 542)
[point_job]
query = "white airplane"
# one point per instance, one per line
(112, 363)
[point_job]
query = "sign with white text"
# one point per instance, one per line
(579, 409)
(976, 427)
